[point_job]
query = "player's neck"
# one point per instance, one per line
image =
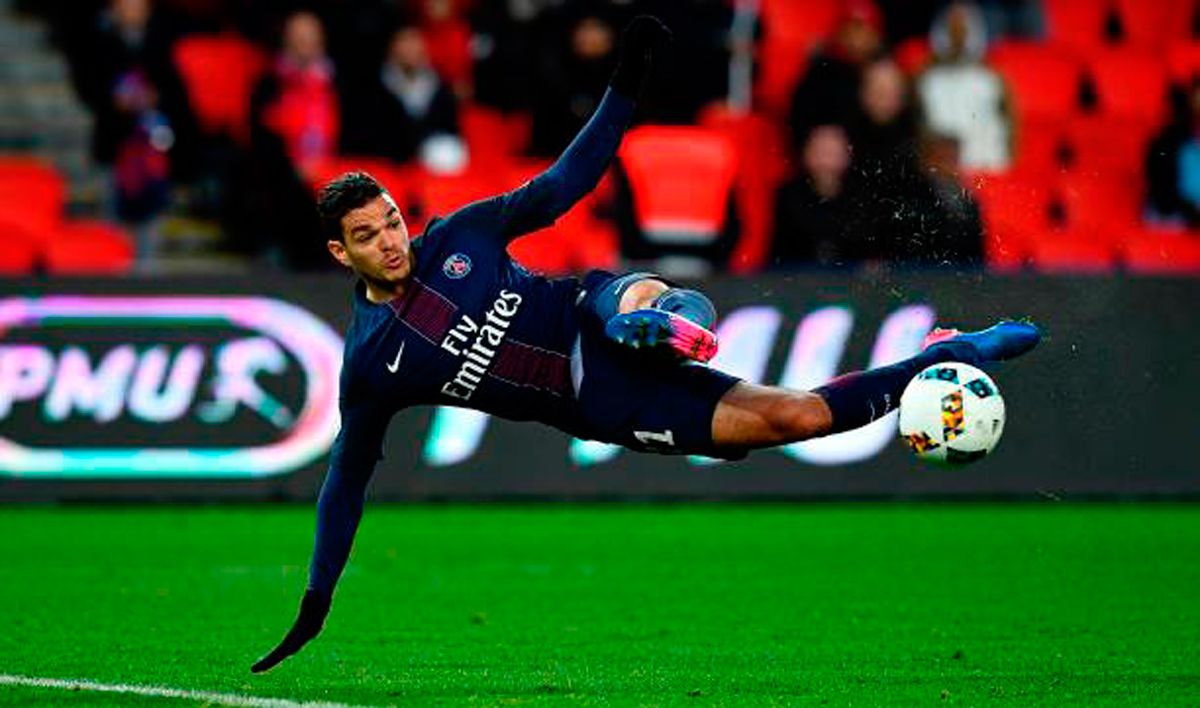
(379, 293)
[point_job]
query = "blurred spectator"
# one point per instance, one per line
(298, 100)
(293, 125)
(884, 133)
(943, 228)
(905, 19)
(1005, 18)
(817, 211)
(144, 130)
(406, 107)
(1014, 18)
(963, 98)
(829, 91)
(504, 44)
(571, 85)
(1173, 165)
(447, 38)
(886, 164)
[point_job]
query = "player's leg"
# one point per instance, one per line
(753, 416)
(640, 310)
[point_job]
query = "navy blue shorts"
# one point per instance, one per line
(640, 400)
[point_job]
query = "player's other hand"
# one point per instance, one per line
(313, 609)
(644, 41)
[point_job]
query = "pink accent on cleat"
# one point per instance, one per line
(654, 328)
(938, 335)
(690, 340)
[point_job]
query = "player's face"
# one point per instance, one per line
(375, 244)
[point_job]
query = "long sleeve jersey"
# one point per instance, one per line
(472, 329)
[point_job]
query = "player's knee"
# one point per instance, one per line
(800, 416)
(641, 294)
(619, 294)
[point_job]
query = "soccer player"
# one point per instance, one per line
(450, 319)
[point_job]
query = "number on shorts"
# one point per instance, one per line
(647, 437)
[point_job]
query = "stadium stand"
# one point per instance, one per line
(791, 30)
(89, 248)
(1149, 24)
(1099, 144)
(18, 248)
(681, 180)
(1081, 25)
(1044, 80)
(1161, 252)
(1129, 83)
(219, 72)
(1073, 253)
(1183, 61)
(1086, 99)
(761, 146)
(32, 193)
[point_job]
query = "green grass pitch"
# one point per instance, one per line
(866, 604)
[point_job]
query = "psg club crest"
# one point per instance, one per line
(457, 266)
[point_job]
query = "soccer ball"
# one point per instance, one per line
(951, 413)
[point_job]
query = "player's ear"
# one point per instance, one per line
(338, 249)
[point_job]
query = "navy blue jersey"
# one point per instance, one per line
(472, 329)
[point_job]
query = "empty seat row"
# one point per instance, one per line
(36, 236)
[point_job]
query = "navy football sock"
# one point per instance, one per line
(862, 397)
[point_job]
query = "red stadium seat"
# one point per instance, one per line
(219, 72)
(1016, 212)
(913, 54)
(760, 146)
(18, 248)
(578, 241)
(1076, 24)
(791, 30)
(781, 64)
(1130, 83)
(681, 178)
(33, 193)
(1006, 249)
(810, 21)
(494, 139)
(1042, 148)
(1183, 61)
(89, 248)
(433, 195)
(1044, 80)
(1150, 23)
(1149, 251)
(449, 46)
(1106, 145)
(1018, 201)
(1069, 253)
(1103, 205)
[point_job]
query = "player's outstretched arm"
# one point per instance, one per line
(581, 166)
(339, 510)
(545, 198)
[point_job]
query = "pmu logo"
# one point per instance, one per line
(748, 337)
(163, 387)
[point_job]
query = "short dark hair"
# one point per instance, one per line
(343, 195)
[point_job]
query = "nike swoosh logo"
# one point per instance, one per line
(395, 365)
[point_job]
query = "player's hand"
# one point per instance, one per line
(644, 40)
(313, 609)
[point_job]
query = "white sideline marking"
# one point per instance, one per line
(223, 699)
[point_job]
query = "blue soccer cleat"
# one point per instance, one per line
(1005, 340)
(653, 328)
